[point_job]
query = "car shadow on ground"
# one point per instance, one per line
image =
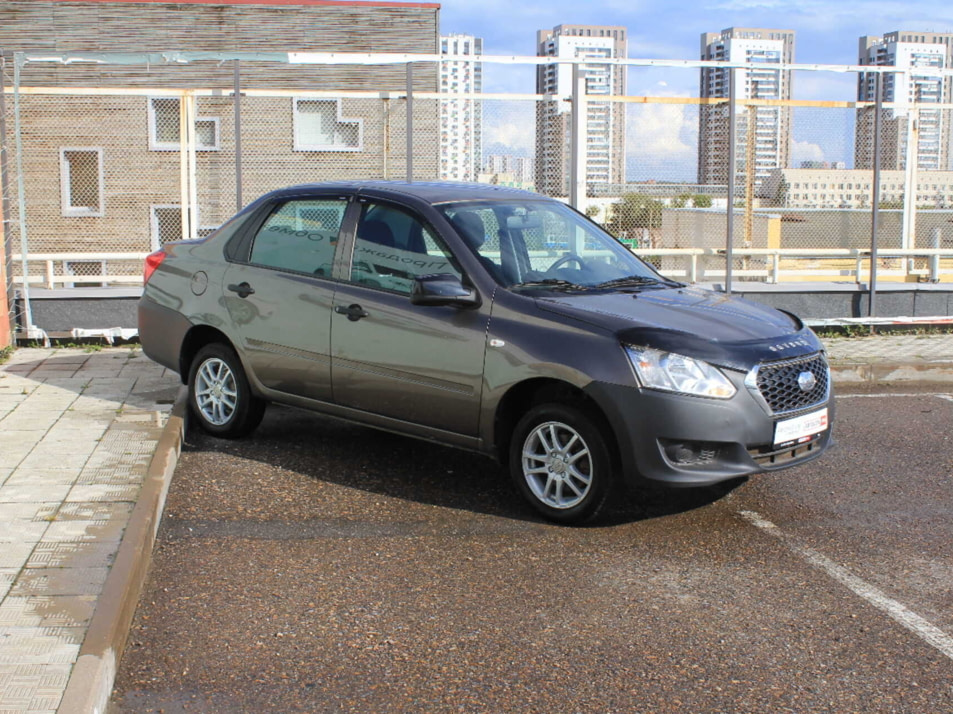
(334, 452)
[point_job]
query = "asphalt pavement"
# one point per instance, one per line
(89, 441)
(326, 567)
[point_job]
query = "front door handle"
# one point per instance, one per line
(243, 289)
(354, 312)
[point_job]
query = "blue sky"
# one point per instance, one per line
(662, 138)
(827, 30)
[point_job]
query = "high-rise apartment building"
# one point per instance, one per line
(461, 118)
(521, 167)
(912, 94)
(605, 121)
(768, 145)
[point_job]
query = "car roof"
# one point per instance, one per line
(433, 192)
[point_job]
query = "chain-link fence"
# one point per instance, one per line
(109, 158)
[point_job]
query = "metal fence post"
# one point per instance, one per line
(237, 100)
(935, 240)
(187, 165)
(410, 122)
(19, 59)
(385, 117)
(909, 239)
(5, 233)
(732, 168)
(875, 211)
(577, 142)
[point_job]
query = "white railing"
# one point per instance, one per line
(781, 264)
(774, 265)
(51, 278)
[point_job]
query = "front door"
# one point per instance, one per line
(419, 364)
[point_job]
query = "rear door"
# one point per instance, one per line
(279, 297)
(419, 364)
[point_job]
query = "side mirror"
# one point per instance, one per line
(443, 289)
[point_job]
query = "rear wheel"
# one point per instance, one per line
(560, 463)
(219, 395)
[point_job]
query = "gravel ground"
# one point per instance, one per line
(319, 566)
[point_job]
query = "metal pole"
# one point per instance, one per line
(18, 59)
(732, 138)
(410, 122)
(875, 215)
(385, 98)
(190, 138)
(237, 100)
(5, 233)
(935, 238)
(577, 141)
(908, 240)
(184, 230)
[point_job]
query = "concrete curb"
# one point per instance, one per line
(883, 372)
(90, 684)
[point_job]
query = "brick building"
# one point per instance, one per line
(104, 168)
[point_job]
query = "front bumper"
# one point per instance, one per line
(691, 441)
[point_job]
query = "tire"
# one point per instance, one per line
(219, 395)
(560, 462)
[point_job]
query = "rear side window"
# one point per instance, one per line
(301, 236)
(393, 247)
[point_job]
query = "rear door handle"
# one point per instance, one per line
(354, 312)
(243, 289)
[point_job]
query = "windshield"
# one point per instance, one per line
(545, 244)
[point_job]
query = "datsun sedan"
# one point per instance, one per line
(488, 319)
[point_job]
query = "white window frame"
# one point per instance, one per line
(154, 237)
(69, 210)
(298, 146)
(154, 225)
(156, 145)
(217, 146)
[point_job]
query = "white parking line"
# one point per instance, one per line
(926, 631)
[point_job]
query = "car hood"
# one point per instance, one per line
(721, 329)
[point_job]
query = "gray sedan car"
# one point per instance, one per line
(488, 319)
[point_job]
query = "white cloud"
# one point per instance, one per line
(662, 142)
(824, 86)
(805, 151)
(510, 127)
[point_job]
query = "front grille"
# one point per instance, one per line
(778, 383)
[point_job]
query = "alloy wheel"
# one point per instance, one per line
(557, 465)
(216, 393)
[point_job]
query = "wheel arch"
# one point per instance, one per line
(522, 397)
(195, 339)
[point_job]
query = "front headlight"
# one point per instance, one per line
(677, 373)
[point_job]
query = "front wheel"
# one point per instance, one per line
(560, 463)
(219, 394)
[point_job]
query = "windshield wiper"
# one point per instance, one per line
(636, 281)
(551, 283)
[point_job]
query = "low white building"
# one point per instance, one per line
(852, 188)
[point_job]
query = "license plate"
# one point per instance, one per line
(800, 429)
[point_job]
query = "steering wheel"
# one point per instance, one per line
(568, 258)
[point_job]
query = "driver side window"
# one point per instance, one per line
(393, 247)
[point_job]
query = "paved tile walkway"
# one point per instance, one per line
(890, 348)
(77, 432)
